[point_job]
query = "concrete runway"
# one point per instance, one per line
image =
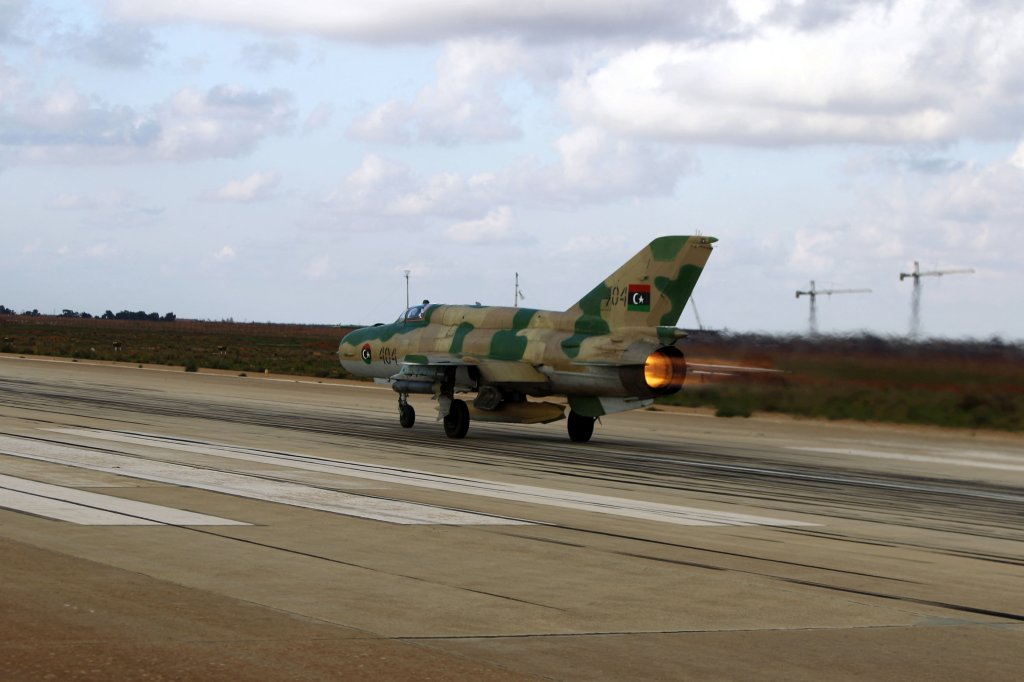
(159, 524)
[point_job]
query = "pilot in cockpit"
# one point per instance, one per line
(414, 313)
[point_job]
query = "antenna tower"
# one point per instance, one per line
(814, 293)
(915, 299)
(519, 293)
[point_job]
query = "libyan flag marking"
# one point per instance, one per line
(639, 298)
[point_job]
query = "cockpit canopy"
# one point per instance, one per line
(413, 314)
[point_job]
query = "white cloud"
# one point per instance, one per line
(463, 104)
(591, 167)
(65, 125)
(813, 250)
(257, 186)
(443, 193)
(1018, 157)
(888, 73)
(978, 198)
(371, 186)
(497, 226)
(752, 11)
(385, 188)
(596, 165)
(226, 120)
(967, 218)
(225, 254)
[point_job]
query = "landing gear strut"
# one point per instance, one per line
(580, 428)
(406, 415)
(456, 422)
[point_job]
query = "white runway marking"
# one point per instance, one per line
(602, 504)
(92, 509)
(931, 459)
(293, 494)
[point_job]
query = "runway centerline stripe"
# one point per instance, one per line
(241, 485)
(93, 509)
(603, 504)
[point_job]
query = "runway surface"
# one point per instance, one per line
(170, 525)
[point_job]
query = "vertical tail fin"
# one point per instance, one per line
(651, 289)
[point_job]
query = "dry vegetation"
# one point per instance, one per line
(308, 350)
(974, 384)
(966, 384)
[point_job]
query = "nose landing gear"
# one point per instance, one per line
(406, 415)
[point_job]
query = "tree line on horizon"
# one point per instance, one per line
(108, 315)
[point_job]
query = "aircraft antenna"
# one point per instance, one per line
(407, 289)
(915, 298)
(519, 294)
(813, 294)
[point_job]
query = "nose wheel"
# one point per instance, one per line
(406, 415)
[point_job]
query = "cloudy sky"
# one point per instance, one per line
(271, 161)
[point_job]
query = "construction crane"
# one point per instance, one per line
(814, 293)
(693, 304)
(915, 300)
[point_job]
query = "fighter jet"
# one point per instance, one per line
(613, 350)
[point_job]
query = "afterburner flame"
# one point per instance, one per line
(659, 371)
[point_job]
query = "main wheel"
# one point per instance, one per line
(580, 428)
(406, 416)
(456, 423)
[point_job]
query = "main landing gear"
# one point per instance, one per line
(580, 428)
(456, 422)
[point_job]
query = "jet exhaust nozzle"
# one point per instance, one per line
(665, 370)
(662, 373)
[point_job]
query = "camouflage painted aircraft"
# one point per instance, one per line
(613, 350)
